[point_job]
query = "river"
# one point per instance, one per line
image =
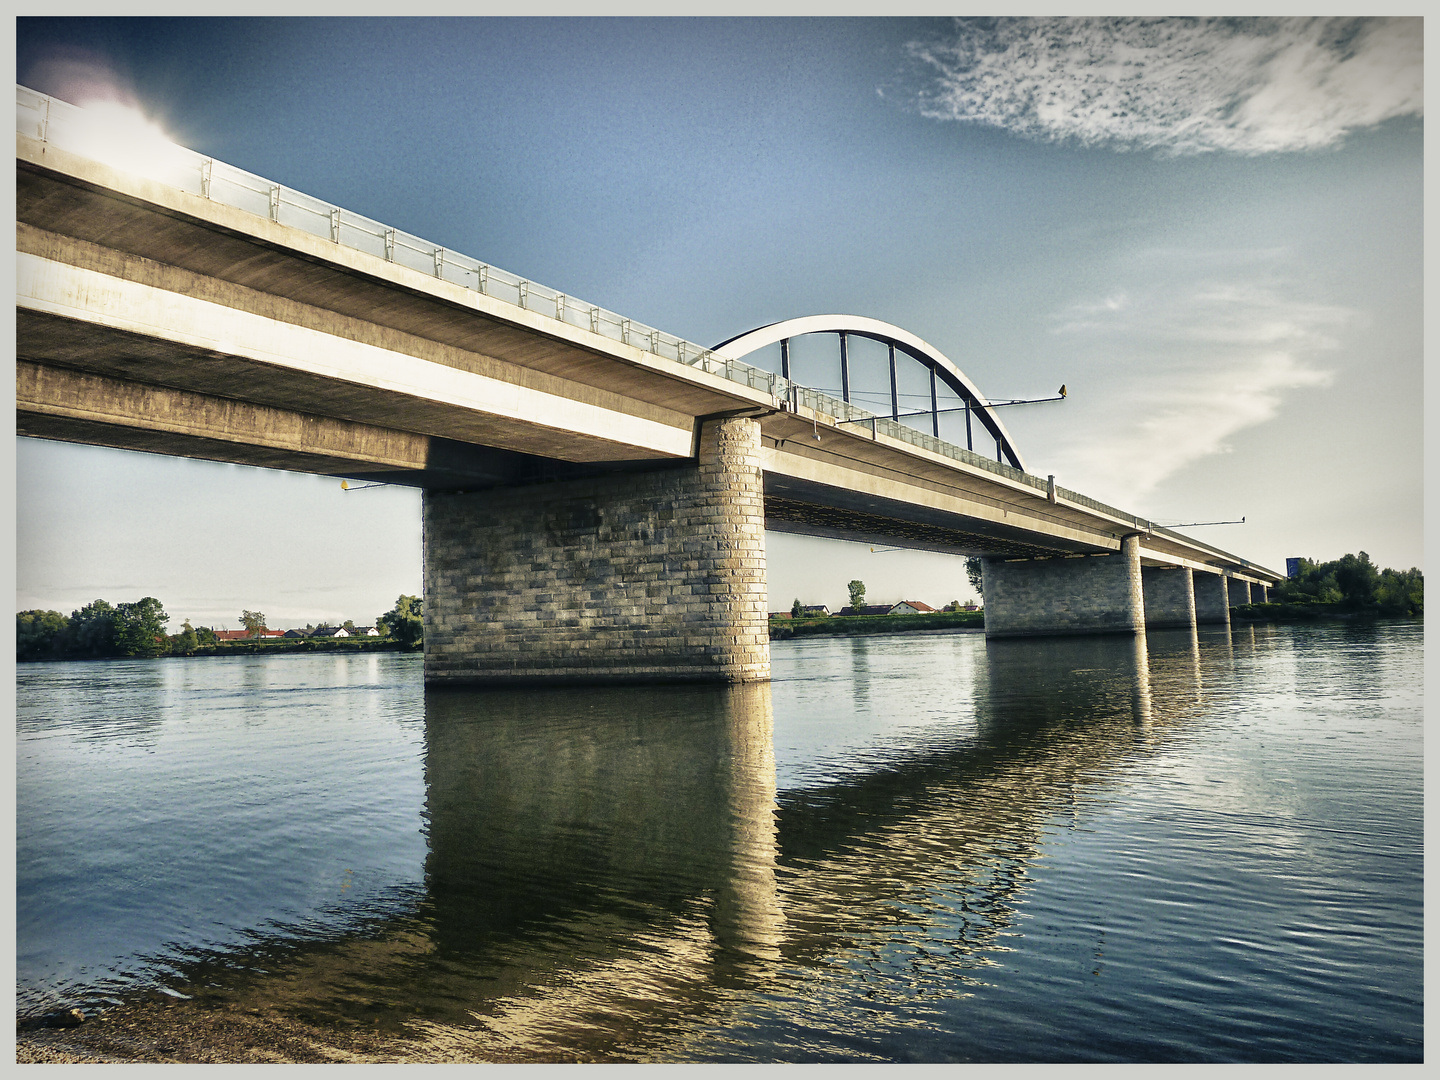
(1182, 847)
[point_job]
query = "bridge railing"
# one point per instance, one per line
(70, 127)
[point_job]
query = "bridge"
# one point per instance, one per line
(596, 491)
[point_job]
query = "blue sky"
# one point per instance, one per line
(1209, 230)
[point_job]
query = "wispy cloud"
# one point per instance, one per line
(1177, 86)
(1170, 375)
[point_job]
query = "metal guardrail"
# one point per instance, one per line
(68, 127)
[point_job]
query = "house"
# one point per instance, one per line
(246, 635)
(868, 609)
(912, 607)
(331, 631)
(366, 631)
(815, 611)
(296, 633)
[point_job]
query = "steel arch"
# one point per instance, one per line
(897, 339)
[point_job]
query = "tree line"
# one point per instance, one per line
(100, 629)
(1354, 583)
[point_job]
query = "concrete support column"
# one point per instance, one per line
(1212, 599)
(1237, 591)
(1259, 592)
(635, 577)
(1093, 594)
(1169, 597)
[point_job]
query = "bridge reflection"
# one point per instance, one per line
(611, 870)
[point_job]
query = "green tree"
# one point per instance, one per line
(857, 595)
(1357, 579)
(975, 571)
(254, 622)
(1314, 584)
(1402, 591)
(206, 635)
(349, 625)
(405, 622)
(796, 609)
(39, 634)
(1354, 582)
(187, 641)
(140, 628)
(91, 631)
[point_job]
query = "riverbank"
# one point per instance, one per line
(194, 1033)
(852, 625)
(1312, 612)
(974, 621)
(273, 647)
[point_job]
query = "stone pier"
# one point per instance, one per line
(1092, 594)
(1238, 591)
(636, 577)
(1169, 597)
(1212, 598)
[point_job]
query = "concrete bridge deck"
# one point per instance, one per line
(156, 315)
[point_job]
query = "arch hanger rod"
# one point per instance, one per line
(966, 408)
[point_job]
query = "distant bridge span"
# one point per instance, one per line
(596, 490)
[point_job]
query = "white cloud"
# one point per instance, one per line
(1178, 86)
(1167, 378)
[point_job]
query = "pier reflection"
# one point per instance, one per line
(944, 844)
(611, 870)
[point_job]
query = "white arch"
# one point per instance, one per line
(744, 344)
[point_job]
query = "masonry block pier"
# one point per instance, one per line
(648, 576)
(1212, 599)
(1091, 594)
(1169, 597)
(1237, 592)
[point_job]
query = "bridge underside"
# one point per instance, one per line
(64, 404)
(74, 406)
(807, 509)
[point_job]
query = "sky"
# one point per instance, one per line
(1209, 230)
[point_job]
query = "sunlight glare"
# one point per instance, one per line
(122, 136)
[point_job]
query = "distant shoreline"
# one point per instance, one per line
(856, 625)
(974, 621)
(273, 647)
(1312, 612)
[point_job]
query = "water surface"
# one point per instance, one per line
(926, 848)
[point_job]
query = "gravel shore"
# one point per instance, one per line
(183, 1033)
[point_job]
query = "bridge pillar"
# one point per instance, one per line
(1093, 594)
(1237, 591)
(1212, 602)
(637, 577)
(1259, 592)
(1169, 597)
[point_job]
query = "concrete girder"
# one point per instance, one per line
(72, 406)
(517, 416)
